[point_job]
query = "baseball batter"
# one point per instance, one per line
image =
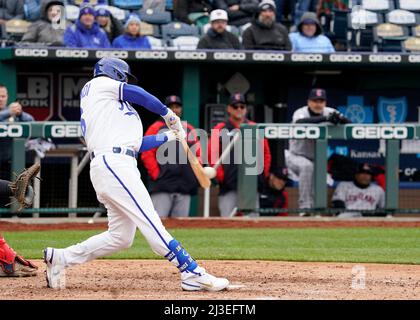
(301, 153)
(359, 194)
(114, 136)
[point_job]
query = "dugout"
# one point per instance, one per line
(48, 81)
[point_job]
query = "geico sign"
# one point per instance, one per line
(379, 133)
(262, 56)
(292, 132)
(11, 131)
(193, 55)
(229, 56)
(66, 131)
(151, 55)
(114, 54)
(31, 52)
(306, 57)
(414, 58)
(386, 58)
(62, 53)
(346, 58)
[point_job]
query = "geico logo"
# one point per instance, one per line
(11, 131)
(31, 52)
(151, 55)
(268, 56)
(229, 56)
(62, 131)
(307, 57)
(414, 58)
(71, 53)
(387, 58)
(113, 54)
(379, 132)
(346, 58)
(292, 132)
(191, 55)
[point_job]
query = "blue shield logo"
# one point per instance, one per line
(392, 110)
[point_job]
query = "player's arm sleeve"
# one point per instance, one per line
(149, 157)
(267, 158)
(381, 203)
(151, 142)
(338, 198)
(316, 119)
(137, 95)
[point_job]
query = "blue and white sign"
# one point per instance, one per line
(392, 110)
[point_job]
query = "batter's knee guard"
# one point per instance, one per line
(185, 261)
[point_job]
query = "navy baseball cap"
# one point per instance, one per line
(173, 100)
(237, 98)
(364, 168)
(317, 94)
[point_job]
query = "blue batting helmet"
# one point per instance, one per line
(114, 68)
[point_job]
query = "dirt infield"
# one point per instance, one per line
(157, 279)
(27, 225)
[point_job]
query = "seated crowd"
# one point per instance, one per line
(220, 24)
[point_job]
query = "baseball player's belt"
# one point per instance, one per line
(127, 152)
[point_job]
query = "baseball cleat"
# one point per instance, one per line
(54, 268)
(203, 282)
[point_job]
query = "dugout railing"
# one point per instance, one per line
(391, 134)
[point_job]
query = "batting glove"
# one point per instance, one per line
(172, 120)
(175, 135)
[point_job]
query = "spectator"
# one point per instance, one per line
(12, 113)
(48, 30)
(359, 194)
(240, 12)
(217, 37)
(86, 33)
(303, 6)
(265, 33)
(227, 172)
(309, 37)
(272, 191)
(11, 9)
(112, 26)
(193, 11)
(132, 38)
(300, 156)
(173, 183)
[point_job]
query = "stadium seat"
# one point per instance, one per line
(402, 17)
(184, 43)
(416, 31)
(410, 5)
(118, 13)
(148, 29)
(388, 37)
(15, 29)
(127, 4)
(360, 24)
(339, 27)
(157, 44)
(72, 12)
(378, 5)
(153, 17)
(411, 44)
(3, 34)
(178, 29)
(170, 5)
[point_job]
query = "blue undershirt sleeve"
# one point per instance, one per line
(151, 142)
(137, 95)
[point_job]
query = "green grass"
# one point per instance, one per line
(381, 245)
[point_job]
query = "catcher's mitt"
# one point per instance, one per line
(21, 189)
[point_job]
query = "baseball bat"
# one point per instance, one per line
(196, 166)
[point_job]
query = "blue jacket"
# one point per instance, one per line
(126, 41)
(317, 44)
(78, 36)
(24, 117)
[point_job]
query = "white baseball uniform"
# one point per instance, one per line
(109, 122)
(299, 159)
(356, 198)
